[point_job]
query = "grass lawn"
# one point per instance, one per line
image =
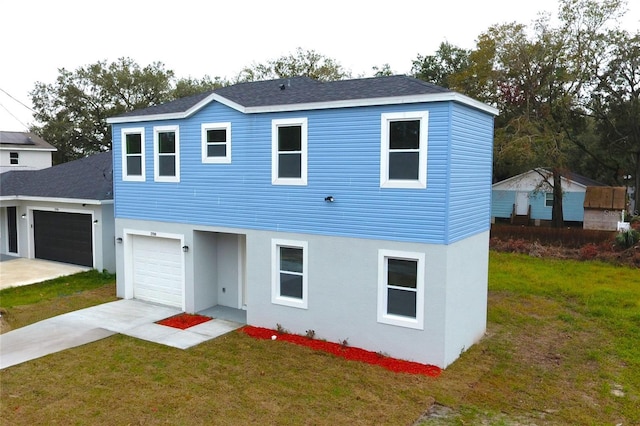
(562, 347)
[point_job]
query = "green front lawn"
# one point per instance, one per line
(562, 347)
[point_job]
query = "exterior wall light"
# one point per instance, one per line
(185, 249)
(119, 240)
(23, 216)
(329, 199)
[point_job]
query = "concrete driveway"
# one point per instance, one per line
(17, 271)
(130, 317)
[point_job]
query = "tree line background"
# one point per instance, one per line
(568, 93)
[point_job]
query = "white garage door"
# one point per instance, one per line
(157, 270)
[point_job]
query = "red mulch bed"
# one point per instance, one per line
(347, 352)
(183, 321)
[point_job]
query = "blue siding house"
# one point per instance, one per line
(531, 193)
(359, 209)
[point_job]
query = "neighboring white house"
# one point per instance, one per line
(24, 151)
(62, 213)
(531, 194)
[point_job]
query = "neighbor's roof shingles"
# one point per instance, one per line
(24, 140)
(89, 178)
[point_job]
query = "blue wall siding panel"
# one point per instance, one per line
(343, 161)
(470, 167)
(572, 206)
(538, 209)
(502, 203)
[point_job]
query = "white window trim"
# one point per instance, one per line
(386, 118)
(401, 321)
(156, 154)
(16, 158)
(123, 138)
(302, 180)
(226, 126)
(545, 199)
(275, 273)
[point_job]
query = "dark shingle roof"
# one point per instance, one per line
(574, 177)
(24, 140)
(179, 105)
(302, 90)
(89, 178)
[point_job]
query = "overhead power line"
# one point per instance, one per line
(11, 114)
(17, 100)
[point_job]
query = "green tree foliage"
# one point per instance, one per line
(541, 78)
(74, 109)
(191, 86)
(307, 63)
(382, 71)
(615, 105)
(442, 67)
(545, 83)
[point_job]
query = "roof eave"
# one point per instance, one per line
(14, 147)
(55, 199)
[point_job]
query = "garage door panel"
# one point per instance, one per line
(63, 237)
(157, 270)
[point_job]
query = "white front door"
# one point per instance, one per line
(522, 203)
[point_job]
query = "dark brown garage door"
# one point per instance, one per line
(63, 237)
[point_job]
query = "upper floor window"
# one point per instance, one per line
(216, 142)
(289, 273)
(166, 145)
(133, 154)
(403, 159)
(14, 158)
(401, 288)
(289, 151)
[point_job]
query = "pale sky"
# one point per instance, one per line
(219, 38)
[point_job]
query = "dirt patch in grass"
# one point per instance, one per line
(4, 321)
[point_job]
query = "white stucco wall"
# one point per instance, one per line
(342, 287)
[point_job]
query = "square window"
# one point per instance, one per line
(289, 151)
(401, 288)
(133, 154)
(216, 142)
(289, 273)
(166, 146)
(14, 158)
(403, 150)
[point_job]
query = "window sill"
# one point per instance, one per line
(289, 181)
(403, 184)
(401, 321)
(291, 302)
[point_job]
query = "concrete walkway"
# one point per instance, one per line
(19, 271)
(130, 317)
